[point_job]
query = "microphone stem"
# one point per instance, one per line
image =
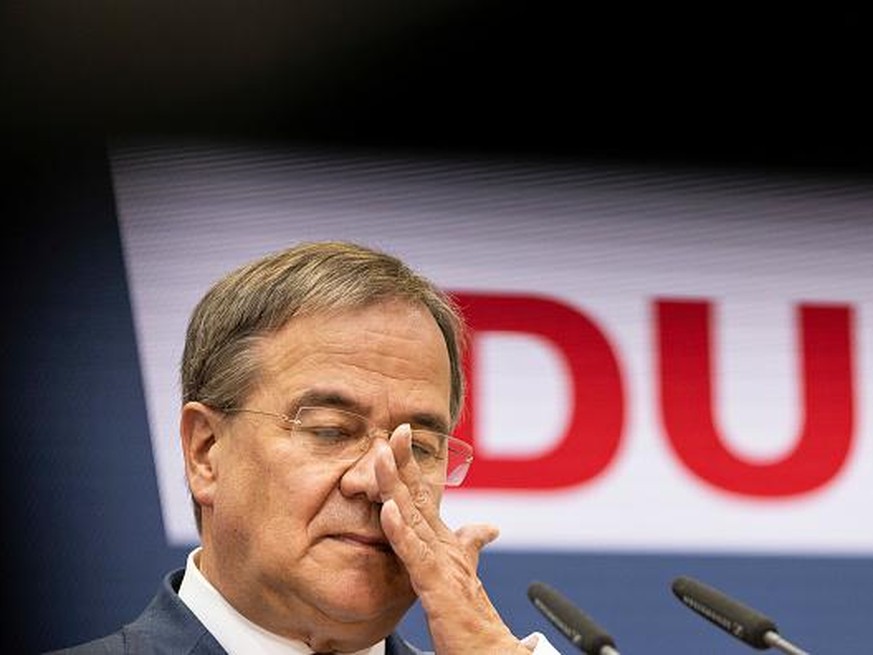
(774, 640)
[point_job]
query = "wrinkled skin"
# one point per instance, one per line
(332, 553)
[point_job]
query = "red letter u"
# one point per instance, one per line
(686, 396)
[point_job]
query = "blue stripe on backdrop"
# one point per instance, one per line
(80, 498)
(820, 604)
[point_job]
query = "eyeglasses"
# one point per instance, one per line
(344, 436)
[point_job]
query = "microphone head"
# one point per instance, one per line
(574, 624)
(733, 617)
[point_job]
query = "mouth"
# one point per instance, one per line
(370, 542)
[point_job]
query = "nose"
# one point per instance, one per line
(359, 479)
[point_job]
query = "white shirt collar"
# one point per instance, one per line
(236, 634)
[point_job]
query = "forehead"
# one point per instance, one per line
(390, 355)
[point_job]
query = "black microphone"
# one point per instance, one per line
(733, 617)
(585, 634)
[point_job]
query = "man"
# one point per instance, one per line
(320, 385)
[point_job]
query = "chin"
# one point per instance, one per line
(352, 601)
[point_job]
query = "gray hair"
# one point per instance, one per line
(219, 367)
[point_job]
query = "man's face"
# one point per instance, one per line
(294, 540)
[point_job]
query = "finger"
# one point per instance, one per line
(474, 538)
(401, 445)
(400, 442)
(388, 478)
(411, 541)
(390, 481)
(477, 535)
(421, 493)
(416, 506)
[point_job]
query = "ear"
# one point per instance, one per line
(198, 428)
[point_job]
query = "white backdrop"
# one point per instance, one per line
(607, 243)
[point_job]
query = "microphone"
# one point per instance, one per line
(585, 634)
(738, 620)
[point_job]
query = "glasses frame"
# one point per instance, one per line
(461, 448)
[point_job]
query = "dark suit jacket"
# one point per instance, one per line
(168, 627)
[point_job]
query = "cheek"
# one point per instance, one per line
(273, 491)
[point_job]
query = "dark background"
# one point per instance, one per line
(738, 86)
(722, 88)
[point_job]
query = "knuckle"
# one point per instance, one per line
(421, 497)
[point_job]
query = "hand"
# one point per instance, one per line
(441, 563)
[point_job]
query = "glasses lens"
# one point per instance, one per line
(459, 458)
(341, 435)
(332, 432)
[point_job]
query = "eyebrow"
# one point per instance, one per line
(325, 398)
(429, 422)
(333, 398)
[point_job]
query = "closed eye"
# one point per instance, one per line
(329, 433)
